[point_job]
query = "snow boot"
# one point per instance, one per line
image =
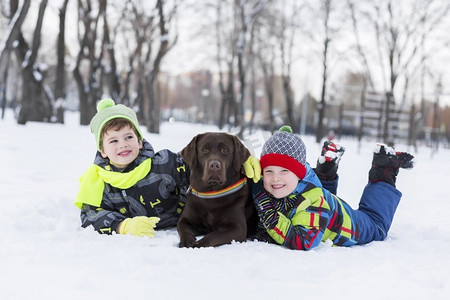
(328, 161)
(386, 164)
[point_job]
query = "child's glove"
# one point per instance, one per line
(328, 161)
(285, 204)
(267, 212)
(140, 226)
(252, 168)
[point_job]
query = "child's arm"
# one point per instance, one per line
(181, 173)
(299, 236)
(304, 226)
(104, 221)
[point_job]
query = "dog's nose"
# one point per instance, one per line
(215, 165)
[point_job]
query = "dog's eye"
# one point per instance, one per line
(205, 150)
(225, 150)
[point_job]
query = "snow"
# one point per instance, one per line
(37, 75)
(44, 254)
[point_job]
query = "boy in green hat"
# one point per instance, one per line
(130, 189)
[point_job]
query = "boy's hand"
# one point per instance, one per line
(139, 226)
(285, 204)
(252, 168)
(267, 212)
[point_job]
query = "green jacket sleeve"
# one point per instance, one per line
(305, 225)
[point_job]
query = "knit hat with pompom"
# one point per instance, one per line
(286, 150)
(108, 110)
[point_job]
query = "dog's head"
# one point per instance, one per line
(215, 160)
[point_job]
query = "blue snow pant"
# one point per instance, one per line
(376, 211)
(331, 185)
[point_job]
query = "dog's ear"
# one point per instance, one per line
(241, 153)
(189, 153)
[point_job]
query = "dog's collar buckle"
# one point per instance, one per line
(220, 193)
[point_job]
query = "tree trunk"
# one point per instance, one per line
(3, 86)
(152, 105)
(89, 86)
(320, 127)
(153, 109)
(322, 106)
(239, 120)
(241, 99)
(35, 106)
(289, 103)
(113, 81)
(60, 81)
(17, 18)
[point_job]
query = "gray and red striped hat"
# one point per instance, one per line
(285, 149)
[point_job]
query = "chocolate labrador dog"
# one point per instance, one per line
(219, 204)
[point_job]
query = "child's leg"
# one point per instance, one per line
(380, 197)
(376, 211)
(387, 162)
(331, 185)
(327, 165)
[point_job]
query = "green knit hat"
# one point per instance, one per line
(108, 110)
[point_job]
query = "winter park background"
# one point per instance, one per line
(44, 254)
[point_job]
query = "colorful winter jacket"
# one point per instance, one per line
(155, 184)
(316, 216)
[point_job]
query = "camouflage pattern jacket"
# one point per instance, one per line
(155, 184)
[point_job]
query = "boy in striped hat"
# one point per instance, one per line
(296, 211)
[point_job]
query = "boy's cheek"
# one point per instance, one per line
(104, 155)
(266, 184)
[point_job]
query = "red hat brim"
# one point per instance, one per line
(284, 161)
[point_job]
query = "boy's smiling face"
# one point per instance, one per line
(121, 146)
(279, 181)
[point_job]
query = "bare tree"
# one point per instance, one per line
(148, 32)
(253, 77)
(234, 29)
(225, 57)
(368, 82)
(96, 70)
(247, 17)
(35, 105)
(265, 50)
(289, 16)
(266, 59)
(60, 81)
(400, 34)
(330, 21)
(152, 108)
(87, 67)
(109, 70)
(142, 29)
(16, 17)
(326, 9)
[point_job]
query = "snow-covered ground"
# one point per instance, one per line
(44, 254)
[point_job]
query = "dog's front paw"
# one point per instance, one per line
(202, 243)
(187, 243)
